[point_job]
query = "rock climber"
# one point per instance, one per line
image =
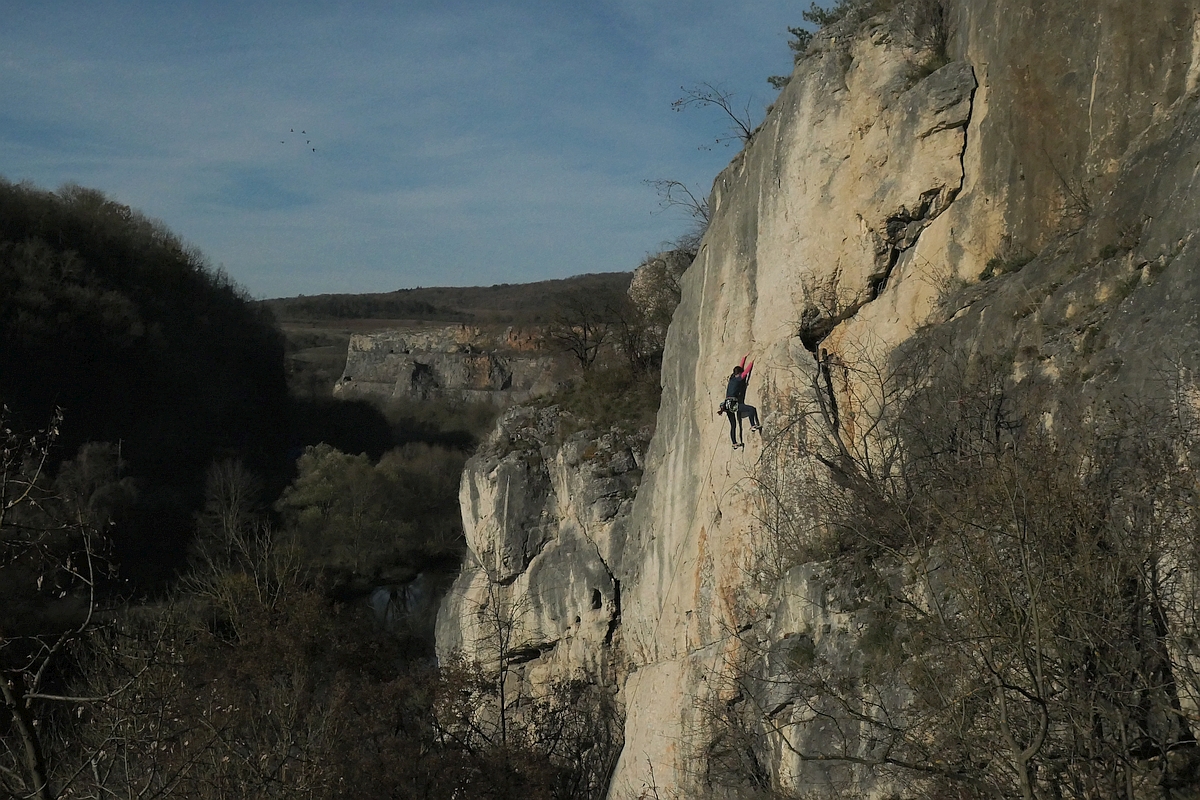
(735, 403)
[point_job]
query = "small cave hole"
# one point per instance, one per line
(597, 599)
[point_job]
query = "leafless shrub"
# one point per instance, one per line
(1010, 257)
(52, 564)
(1076, 191)
(677, 195)
(1024, 587)
(926, 23)
(581, 326)
(741, 121)
(573, 726)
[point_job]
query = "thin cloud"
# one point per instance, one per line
(468, 143)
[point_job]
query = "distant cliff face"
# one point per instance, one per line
(1026, 199)
(460, 362)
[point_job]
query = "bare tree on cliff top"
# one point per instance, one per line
(741, 123)
(676, 194)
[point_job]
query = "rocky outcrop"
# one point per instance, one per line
(461, 362)
(544, 510)
(1026, 196)
(873, 193)
(654, 288)
(817, 219)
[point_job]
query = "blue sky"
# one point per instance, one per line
(456, 143)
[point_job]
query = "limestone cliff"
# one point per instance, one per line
(544, 509)
(459, 362)
(1023, 189)
(873, 191)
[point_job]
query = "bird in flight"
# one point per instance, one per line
(307, 142)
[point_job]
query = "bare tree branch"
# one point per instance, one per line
(741, 122)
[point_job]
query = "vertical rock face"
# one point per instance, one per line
(544, 512)
(879, 185)
(1030, 192)
(815, 220)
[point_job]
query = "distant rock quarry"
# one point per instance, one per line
(460, 363)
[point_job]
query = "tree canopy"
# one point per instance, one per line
(110, 316)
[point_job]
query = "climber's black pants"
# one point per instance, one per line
(749, 412)
(741, 411)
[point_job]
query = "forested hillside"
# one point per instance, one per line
(109, 316)
(507, 303)
(210, 587)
